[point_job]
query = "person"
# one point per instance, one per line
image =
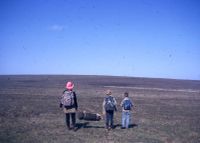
(126, 105)
(109, 107)
(69, 104)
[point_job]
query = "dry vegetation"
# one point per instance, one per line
(167, 111)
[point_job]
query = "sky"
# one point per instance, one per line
(137, 38)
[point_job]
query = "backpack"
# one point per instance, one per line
(127, 104)
(109, 104)
(68, 98)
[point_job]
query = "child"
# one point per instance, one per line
(109, 106)
(126, 105)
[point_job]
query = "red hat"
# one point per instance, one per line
(69, 85)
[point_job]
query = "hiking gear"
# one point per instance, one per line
(127, 104)
(69, 109)
(67, 99)
(89, 116)
(109, 104)
(69, 85)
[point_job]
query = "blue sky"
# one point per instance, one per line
(139, 38)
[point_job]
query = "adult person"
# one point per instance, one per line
(69, 104)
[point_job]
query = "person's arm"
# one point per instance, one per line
(103, 107)
(132, 104)
(75, 102)
(61, 105)
(122, 102)
(115, 102)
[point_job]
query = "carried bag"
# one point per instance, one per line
(109, 104)
(127, 105)
(68, 98)
(89, 116)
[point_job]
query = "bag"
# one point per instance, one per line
(89, 116)
(109, 104)
(127, 105)
(68, 98)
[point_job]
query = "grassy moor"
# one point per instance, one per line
(166, 110)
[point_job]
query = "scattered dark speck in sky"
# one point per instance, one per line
(23, 47)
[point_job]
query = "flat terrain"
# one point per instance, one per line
(167, 111)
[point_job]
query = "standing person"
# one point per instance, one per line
(109, 106)
(126, 105)
(69, 104)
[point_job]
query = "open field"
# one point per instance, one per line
(167, 111)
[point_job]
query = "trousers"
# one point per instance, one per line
(109, 119)
(73, 118)
(125, 119)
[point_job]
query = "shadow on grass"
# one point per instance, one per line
(130, 126)
(133, 125)
(86, 125)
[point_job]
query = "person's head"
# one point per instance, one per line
(125, 94)
(108, 92)
(69, 85)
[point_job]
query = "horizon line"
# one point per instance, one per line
(120, 76)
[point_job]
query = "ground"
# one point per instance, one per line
(166, 110)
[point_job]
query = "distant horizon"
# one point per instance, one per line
(120, 76)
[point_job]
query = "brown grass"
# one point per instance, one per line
(30, 110)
